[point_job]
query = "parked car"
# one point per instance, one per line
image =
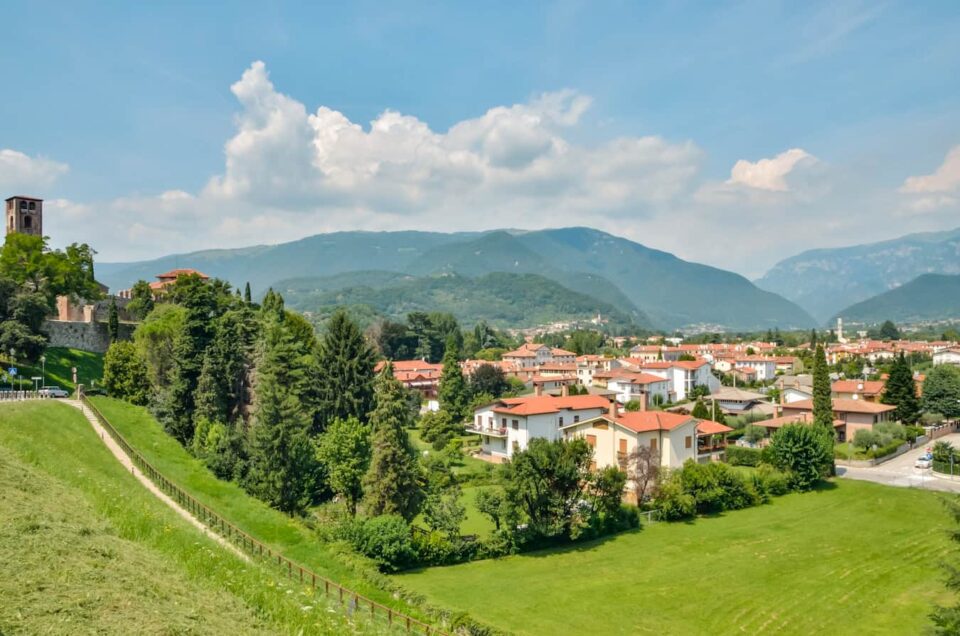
(924, 461)
(54, 391)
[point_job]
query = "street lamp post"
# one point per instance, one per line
(13, 360)
(43, 370)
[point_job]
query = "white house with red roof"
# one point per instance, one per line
(643, 387)
(416, 374)
(683, 375)
(535, 355)
(509, 424)
(947, 356)
(765, 368)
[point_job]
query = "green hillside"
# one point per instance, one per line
(503, 300)
(629, 276)
(928, 297)
(84, 548)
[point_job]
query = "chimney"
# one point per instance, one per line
(564, 390)
(614, 408)
(643, 401)
(537, 389)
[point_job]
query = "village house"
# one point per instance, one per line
(683, 375)
(869, 390)
(646, 388)
(508, 424)
(853, 414)
(674, 438)
(947, 356)
(588, 365)
(794, 388)
(806, 417)
(537, 355)
(765, 368)
(416, 374)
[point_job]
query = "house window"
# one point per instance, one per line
(623, 447)
(516, 425)
(576, 418)
(592, 441)
(33, 205)
(561, 420)
(503, 422)
(653, 444)
(688, 442)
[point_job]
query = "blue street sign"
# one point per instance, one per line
(12, 370)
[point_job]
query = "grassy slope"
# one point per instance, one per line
(282, 533)
(59, 362)
(856, 558)
(85, 548)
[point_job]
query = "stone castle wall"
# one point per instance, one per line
(88, 336)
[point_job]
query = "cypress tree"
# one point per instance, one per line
(392, 484)
(113, 323)
(901, 391)
(247, 297)
(453, 386)
(822, 402)
(283, 468)
(345, 362)
(700, 411)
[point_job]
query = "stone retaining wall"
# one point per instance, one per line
(88, 336)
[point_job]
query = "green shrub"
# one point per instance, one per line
(887, 449)
(775, 482)
(742, 456)
(674, 502)
(435, 548)
(385, 539)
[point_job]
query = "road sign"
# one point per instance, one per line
(36, 378)
(12, 370)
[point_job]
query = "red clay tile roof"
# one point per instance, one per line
(867, 387)
(647, 421)
(538, 405)
(844, 405)
(709, 427)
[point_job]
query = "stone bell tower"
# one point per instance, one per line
(24, 215)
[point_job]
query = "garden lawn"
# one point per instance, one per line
(853, 558)
(282, 533)
(84, 548)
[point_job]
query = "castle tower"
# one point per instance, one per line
(25, 215)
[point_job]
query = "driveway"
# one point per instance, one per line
(900, 471)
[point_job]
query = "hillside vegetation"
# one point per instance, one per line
(502, 300)
(84, 548)
(824, 281)
(629, 276)
(927, 297)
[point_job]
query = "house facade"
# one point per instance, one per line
(643, 387)
(853, 414)
(947, 356)
(683, 375)
(508, 424)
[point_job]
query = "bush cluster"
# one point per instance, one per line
(743, 456)
(716, 487)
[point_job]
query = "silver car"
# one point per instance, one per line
(923, 462)
(53, 391)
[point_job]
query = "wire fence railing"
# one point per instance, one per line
(353, 602)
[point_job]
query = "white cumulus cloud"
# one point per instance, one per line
(770, 174)
(945, 179)
(23, 174)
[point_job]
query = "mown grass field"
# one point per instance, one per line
(855, 558)
(286, 535)
(84, 548)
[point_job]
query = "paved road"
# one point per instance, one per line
(900, 471)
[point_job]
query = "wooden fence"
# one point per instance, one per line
(355, 602)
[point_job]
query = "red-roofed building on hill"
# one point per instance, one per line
(164, 280)
(535, 355)
(508, 424)
(416, 374)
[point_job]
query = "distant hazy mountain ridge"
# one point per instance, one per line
(929, 297)
(621, 276)
(824, 281)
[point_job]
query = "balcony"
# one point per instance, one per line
(487, 430)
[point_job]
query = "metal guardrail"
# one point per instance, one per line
(250, 545)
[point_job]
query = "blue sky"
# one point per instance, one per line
(115, 104)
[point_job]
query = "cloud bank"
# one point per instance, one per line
(289, 172)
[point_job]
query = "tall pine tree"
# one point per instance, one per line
(822, 402)
(901, 391)
(345, 364)
(453, 387)
(283, 468)
(392, 484)
(113, 322)
(247, 296)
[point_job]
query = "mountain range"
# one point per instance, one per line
(381, 269)
(928, 297)
(826, 281)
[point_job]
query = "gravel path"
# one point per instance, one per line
(124, 459)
